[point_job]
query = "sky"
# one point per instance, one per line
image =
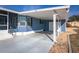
(74, 9)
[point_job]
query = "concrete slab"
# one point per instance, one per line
(32, 43)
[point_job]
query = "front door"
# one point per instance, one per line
(50, 26)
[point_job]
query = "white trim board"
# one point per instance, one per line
(45, 9)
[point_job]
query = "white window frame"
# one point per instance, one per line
(7, 19)
(19, 24)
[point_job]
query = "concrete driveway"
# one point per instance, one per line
(32, 43)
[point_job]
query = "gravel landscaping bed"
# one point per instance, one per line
(61, 46)
(74, 39)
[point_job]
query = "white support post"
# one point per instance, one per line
(54, 27)
(58, 28)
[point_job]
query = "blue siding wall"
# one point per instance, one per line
(63, 28)
(35, 25)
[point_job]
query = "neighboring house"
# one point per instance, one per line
(48, 19)
(74, 23)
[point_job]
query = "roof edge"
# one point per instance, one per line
(53, 8)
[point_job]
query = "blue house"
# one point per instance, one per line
(49, 20)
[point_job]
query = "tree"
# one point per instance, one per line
(74, 18)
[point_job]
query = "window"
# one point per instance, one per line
(3, 22)
(22, 23)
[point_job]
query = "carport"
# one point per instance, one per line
(56, 14)
(35, 42)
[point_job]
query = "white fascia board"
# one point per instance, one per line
(8, 10)
(45, 9)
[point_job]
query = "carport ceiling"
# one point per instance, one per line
(47, 13)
